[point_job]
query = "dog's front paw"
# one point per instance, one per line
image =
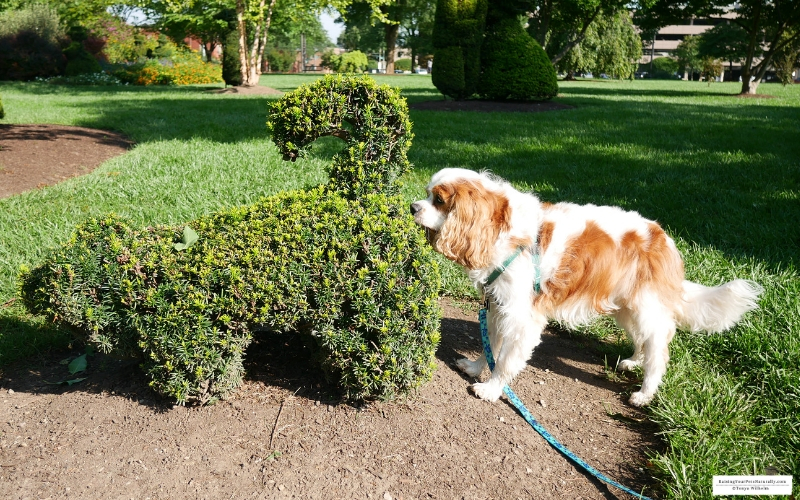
(471, 368)
(640, 399)
(488, 391)
(628, 365)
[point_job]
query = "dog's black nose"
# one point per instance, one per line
(415, 207)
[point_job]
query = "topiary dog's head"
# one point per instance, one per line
(372, 119)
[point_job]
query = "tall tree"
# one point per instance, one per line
(688, 55)
(416, 30)
(787, 59)
(252, 21)
(726, 41)
(209, 21)
(764, 25)
(566, 22)
(362, 31)
(387, 15)
(611, 46)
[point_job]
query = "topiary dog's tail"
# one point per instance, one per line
(372, 119)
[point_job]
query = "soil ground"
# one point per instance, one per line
(285, 433)
(33, 156)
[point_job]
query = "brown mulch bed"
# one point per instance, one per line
(33, 156)
(257, 90)
(755, 96)
(285, 433)
(490, 106)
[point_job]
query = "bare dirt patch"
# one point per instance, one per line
(33, 156)
(755, 96)
(256, 90)
(286, 434)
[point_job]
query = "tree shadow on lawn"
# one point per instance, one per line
(721, 178)
(162, 113)
(610, 90)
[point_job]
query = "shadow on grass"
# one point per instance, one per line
(608, 89)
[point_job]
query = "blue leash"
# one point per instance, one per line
(487, 350)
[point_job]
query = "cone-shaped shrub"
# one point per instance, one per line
(231, 63)
(514, 66)
(353, 273)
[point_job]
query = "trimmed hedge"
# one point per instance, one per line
(231, 62)
(80, 61)
(515, 67)
(353, 273)
(27, 55)
(457, 37)
(372, 119)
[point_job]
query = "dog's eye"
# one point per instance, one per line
(439, 200)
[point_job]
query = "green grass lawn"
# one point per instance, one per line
(721, 173)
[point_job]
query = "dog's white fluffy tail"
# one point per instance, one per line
(715, 309)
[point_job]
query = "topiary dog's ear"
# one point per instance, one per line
(372, 119)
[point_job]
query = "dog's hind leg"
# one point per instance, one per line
(656, 326)
(625, 320)
(520, 336)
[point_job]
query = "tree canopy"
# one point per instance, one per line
(767, 27)
(611, 46)
(560, 25)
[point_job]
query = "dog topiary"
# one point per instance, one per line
(341, 263)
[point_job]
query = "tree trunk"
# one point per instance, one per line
(254, 72)
(747, 87)
(247, 72)
(391, 40)
(545, 16)
(264, 35)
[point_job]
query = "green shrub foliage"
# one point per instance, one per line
(353, 274)
(231, 63)
(457, 37)
(30, 43)
(514, 65)
(372, 120)
(664, 68)
(2, 111)
(80, 61)
(27, 55)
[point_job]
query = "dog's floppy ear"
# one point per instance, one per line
(473, 223)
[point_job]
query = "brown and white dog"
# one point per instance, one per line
(593, 260)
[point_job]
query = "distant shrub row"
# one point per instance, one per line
(33, 45)
(184, 68)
